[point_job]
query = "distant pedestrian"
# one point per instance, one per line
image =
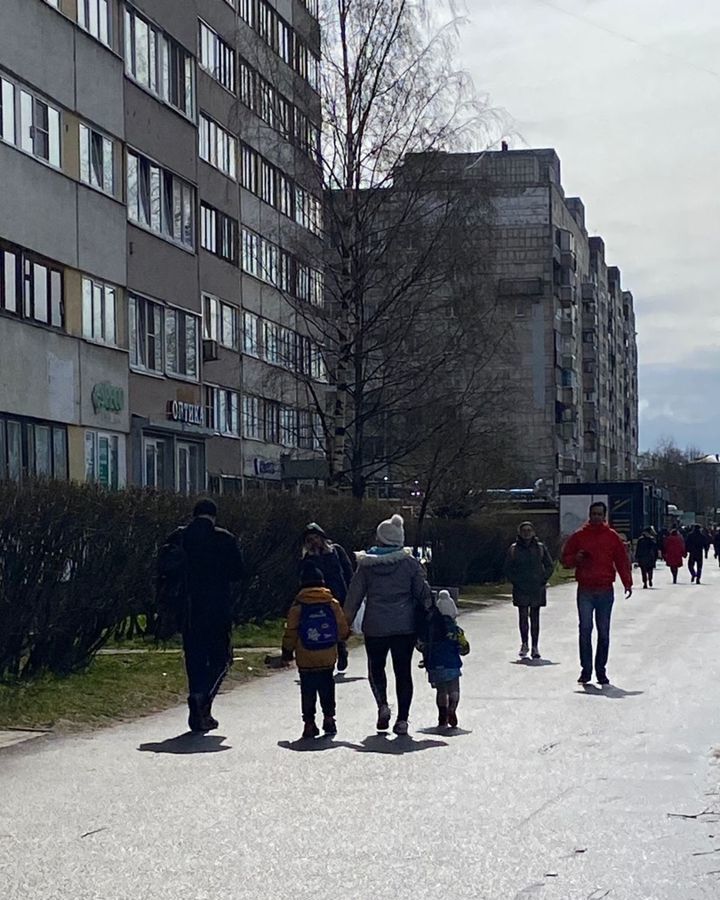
(528, 566)
(196, 566)
(597, 553)
(442, 648)
(716, 544)
(334, 563)
(695, 545)
(391, 582)
(646, 554)
(707, 538)
(674, 552)
(315, 627)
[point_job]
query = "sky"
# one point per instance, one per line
(628, 93)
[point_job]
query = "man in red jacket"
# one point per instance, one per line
(597, 553)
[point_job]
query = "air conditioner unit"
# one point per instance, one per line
(210, 351)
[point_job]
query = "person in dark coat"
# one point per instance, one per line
(207, 560)
(716, 544)
(695, 545)
(337, 571)
(528, 566)
(646, 554)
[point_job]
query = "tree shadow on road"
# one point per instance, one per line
(610, 691)
(533, 663)
(189, 742)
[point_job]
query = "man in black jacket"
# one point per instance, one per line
(206, 560)
(695, 545)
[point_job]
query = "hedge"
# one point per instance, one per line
(77, 562)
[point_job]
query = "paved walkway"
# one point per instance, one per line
(547, 791)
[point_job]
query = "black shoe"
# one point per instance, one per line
(310, 730)
(603, 680)
(197, 721)
(585, 678)
(329, 726)
(342, 662)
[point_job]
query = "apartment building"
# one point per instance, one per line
(160, 229)
(570, 361)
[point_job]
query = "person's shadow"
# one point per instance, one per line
(611, 691)
(533, 663)
(446, 732)
(398, 746)
(342, 678)
(314, 745)
(189, 742)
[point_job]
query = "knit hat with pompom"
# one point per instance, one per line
(391, 532)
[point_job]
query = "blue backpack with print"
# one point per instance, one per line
(318, 626)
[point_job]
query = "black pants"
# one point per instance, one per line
(647, 573)
(533, 612)
(674, 571)
(695, 564)
(208, 656)
(400, 647)
(316, 683)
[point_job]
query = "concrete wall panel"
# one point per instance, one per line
(102, 229)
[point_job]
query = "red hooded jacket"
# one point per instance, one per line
(674, 550)
(605, 554)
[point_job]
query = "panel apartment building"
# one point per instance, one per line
(160, 232)
(571, 361)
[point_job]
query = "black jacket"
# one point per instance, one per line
(695, 543)
(646, 552)
(212, 562)
(528, 567)
(336, 569)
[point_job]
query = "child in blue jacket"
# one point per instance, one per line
(442, 658)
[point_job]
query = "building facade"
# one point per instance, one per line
(570, 358)
(160, 241)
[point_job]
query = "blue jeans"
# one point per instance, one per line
(599, 603)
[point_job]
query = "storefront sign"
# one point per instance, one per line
(189, 413)
(108, 398)
(266, 466)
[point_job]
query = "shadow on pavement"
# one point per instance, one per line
(610, 691)
(383, 743)
(345, 679)
(533, 663)
(314, 745)
(445, 732)
(189, 742)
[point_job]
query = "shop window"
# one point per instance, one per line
(102, 459)
(32, 449)
(188, 465)
(155, 469)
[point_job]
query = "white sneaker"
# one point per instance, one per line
(383, 720)
(400, 727)
(524, 650)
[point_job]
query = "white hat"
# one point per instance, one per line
(446, 604)
(391, 532)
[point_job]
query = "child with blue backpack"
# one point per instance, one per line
(443, 643)
(315, 625)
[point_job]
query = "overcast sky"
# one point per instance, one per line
(635, 119)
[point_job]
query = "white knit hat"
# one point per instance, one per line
(391, 532)
(446, 604)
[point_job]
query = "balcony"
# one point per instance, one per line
(566, 294)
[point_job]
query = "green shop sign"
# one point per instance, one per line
(108, 398)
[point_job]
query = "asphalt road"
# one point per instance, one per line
(547, 791)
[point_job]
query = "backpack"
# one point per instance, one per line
(171, 590)
(318, 628)
(430, 625)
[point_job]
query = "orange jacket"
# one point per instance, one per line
(605, 554)
(312, 659)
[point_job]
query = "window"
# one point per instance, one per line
(99, 316)
(159, 63)
(317, 364)
(188, 466)
(251, 425)
(271, 342)
(221, 406)
(218, 147)
(102, 459)
(30, 286)
(312, 7)
(217, 57)
(159, 200)
(220, 322)
(7, 110)
(156, 471)
(219, 233)
(305, 436)
(271, 421)
(308, 210)
(30, 449)
(181, 343)
(288, 426)
(251, 326)
(278, 35)
(94, 16)
(146, 334)
(39, 127)
(97, 155)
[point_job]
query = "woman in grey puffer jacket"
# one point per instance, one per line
(391, 582)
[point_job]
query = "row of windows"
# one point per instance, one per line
(159, 200)
(281, 37)
(93, 16)
(282, 346)
(30, 286)
(274, 187)
(217, 146)
(268, 262)
(29, 123)
(31, 449)
(270, 421)
(162, 339)
(264, 99)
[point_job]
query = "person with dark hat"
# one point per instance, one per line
(334, 563)
(646, 554)
(315, 626)
(528, 566)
